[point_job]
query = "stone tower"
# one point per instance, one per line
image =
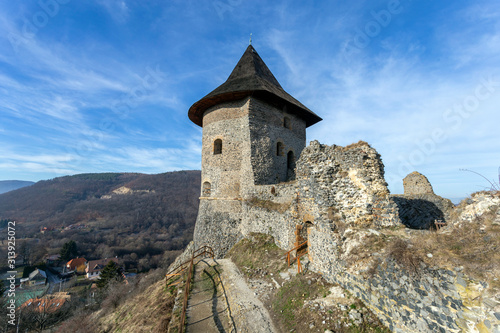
(253, 132)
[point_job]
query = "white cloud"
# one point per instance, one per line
(151, 160)
(117, 9)
(396, 100)
(55, 90)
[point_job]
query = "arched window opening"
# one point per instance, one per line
(207, 189)
(286, 123)
(308, 225)
(290, 166)
(217, 147)
(279, 148)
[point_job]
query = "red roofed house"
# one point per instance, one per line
(45, 304)
(78, 265)
(94, 267)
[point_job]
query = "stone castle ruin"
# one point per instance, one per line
(259, 176)
(419, 207)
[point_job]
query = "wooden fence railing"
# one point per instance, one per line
(177, 272)
(298, 254)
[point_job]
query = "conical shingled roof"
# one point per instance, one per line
(251, 77)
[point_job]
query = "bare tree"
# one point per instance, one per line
(39, 314)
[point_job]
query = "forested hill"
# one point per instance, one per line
(144, 219)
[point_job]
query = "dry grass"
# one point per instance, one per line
(473, 245)
(149, 311)
(144, 306)
(358, 144)
(269, 205)
(291, 305)
(366, 245)
(492, 193)
(256, 254)
(405, 255)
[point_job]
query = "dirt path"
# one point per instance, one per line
(248, 312)
(207, 310)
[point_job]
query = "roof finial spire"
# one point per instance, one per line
(250, 42)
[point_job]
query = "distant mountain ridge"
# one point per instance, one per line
(10, 185)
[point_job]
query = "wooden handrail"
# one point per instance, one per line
(438, 224)
(181, 267)
(299, 266)
(186, 295)
(297, 247)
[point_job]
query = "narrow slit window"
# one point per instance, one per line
(286, 123)
(290, 163)
(279, 149)
(217, 147)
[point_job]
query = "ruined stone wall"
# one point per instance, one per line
(415, 183)
(477, 205)
(419, 207)
(344, 185)
(335, 186)
(271, 209)
(342, 192)
(419, 211)
(435, 300)
(432, 299)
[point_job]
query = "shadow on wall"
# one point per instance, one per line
(418, 213)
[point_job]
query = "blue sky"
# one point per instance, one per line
(105, 85)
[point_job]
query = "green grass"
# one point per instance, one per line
(257, 252)
(209, 276)
(290, 298)
(258, 256)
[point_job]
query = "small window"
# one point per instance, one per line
(290, 163)
(286, 123)
(207, 189)
(217, 147)
(279, 149)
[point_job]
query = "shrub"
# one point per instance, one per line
(402, 253)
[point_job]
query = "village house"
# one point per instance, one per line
(20, 260)
(43, 230)
(46, 304)
(78, 265)
(94, 267)
(36, 278)
(52, 259)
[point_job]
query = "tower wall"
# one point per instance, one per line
(267, 128)
(219, 215)
(249, 130)
(227, 122)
